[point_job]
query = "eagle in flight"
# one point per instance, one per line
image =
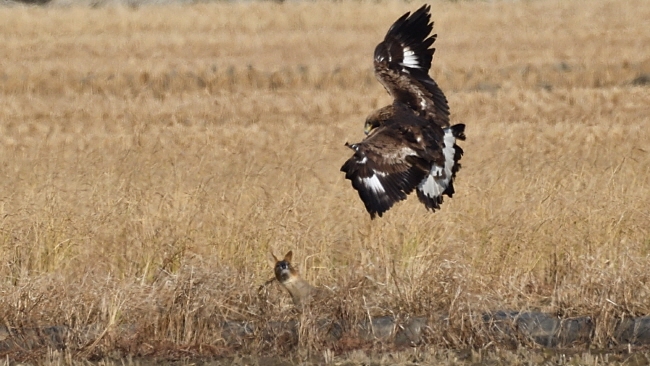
(410, 143)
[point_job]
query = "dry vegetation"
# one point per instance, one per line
(151, 158)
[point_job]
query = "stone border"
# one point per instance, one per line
(509, 327)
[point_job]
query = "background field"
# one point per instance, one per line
(151, 158)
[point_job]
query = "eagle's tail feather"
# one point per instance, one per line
(458, 131)
(440, 181)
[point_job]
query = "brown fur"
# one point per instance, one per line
(299, 289)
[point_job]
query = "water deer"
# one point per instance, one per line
(300, 290)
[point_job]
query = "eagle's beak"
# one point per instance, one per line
(366, 129)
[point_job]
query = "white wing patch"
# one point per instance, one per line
(439, 177)
(410, 59)
(373, 184)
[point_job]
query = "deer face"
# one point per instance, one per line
(283, 269)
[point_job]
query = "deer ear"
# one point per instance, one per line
(272, 259)
(287, 257)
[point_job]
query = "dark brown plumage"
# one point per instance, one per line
(402, 62)
(409, 143)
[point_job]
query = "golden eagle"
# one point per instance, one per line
(410, 143)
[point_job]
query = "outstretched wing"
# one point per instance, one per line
(385, 168)
(402, 63)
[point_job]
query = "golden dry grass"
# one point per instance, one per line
(152, 157)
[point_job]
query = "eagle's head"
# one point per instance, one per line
(378, 118)
(370, 125)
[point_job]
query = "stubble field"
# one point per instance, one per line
(152, 157)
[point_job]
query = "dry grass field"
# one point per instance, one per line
(152, 157)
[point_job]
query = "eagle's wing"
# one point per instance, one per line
(402, 63)
(386, 167)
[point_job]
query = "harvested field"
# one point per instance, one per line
(151, 157)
